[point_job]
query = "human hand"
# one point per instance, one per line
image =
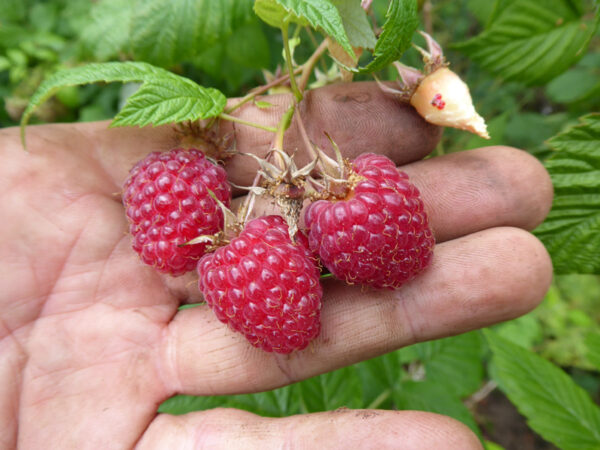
(92, 341)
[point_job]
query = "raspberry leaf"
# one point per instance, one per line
(571, 232)
(396, 37)
(320, 14)
(454, 363)
(433, 397)
(332, 390)
(592, 341)
(165, 32)
(356, 23)
(159, 103)
(162, 32)
(107, 34)
(163, 97)
(555, 407)
(531, 41)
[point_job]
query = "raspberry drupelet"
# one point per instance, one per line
(168, 203)
(265, 286)
(378, 235)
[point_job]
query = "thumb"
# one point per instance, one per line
(342, 428)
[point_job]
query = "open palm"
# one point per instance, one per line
(92, 340)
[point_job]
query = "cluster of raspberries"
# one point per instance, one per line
(262, 283)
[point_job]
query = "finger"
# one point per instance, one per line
(463, 192)
(357, 115)
(473, 190)
(343, 428)
(474, 281)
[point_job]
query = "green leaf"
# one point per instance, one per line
(320, 14)
(571, 232)
(248, 46)
(165, 32)
(274, 14)
(555, 407)
(396, 37)
(183, 404)
(524, 331)
(107, 34)
(356, 23)
(433, 397)
(330, 391)
(161, 32)
(592, 341)
(280, 402)
(379, 377)
(532, 41)
(454, 363)
(577, 84)
(164, 97)
(161, 103)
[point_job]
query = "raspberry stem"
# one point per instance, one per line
(288, 60)
(261, 90)
(225, 116)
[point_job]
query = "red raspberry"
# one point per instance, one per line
(167, 203)
(264, 286)
(379, 234)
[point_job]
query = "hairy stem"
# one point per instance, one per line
(261, 90)
(288, 58)
(309, 65)
(246, 122)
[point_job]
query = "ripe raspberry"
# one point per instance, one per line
(264, 286)
(378, 235)
(167, 203)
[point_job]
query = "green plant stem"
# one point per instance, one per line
(380, 399)
(309, 65)
(246, 122)
(261, 90)
(312, 38)
(288, 58)
(284, 124)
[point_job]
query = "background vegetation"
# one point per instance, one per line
(534, 72)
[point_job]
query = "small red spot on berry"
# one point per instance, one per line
(438, 102)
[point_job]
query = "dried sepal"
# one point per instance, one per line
(231, 228)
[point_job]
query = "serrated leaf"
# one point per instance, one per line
(571, 232)
(162, 103)
(579, 83)
(330, 391)
(356, 23)
(532, 41)
(165, 32)
(380, 376)
(454, 363)
(433, 397)
(249, 47)
(320, 14)
(280, 402)
(396, 37)
(274, 14)
(524, 331)
(107, 33)
(555, 407)
(592, 342)
(167, 90)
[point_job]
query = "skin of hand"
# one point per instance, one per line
(92, 340)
